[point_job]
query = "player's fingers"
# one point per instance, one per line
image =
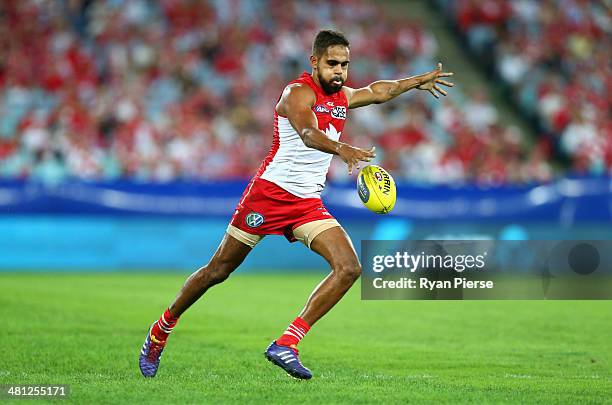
(433, 93)
(350, 166)
(445, 74)
(444, 82)
(439, 90)
(366, 153)
(439, 67)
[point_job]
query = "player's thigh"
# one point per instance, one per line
(230, 253)
(336, 247)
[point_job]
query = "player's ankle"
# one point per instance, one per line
(164, 326)
(294, 333)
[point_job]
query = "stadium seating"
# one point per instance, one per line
(175, 89)
(555, 57)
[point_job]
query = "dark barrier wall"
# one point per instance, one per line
(117, 226)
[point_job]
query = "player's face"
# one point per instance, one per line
(332, 68)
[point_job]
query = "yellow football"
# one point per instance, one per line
(376, 188)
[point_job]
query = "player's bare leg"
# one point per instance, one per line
(229, 255)
(336, 247)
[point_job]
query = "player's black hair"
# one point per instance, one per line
(327, 38)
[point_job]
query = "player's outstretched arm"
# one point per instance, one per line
(296, 104)
(384, 90)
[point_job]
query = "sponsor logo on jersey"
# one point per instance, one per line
(254, 219)
(339, 112)
(321, 109)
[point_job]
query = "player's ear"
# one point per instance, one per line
(313, 61)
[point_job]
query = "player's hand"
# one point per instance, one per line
(431, 81)
(352, 155)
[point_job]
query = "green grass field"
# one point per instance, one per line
(86, 330)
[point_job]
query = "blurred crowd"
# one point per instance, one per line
(555, 55)
(183, 89)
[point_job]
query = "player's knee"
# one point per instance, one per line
(213, 273)
(220, 270)
(348, 270)
(217, 276)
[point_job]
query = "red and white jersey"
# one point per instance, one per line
(292, 165)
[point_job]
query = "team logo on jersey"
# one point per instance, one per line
(254, 219)
(330, 103)
(321, 109)
(339, 112)
(332, 132)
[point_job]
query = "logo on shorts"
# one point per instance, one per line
(254, 219)
(324, 211)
